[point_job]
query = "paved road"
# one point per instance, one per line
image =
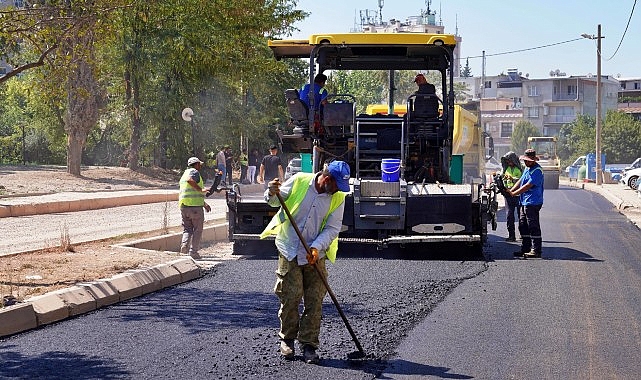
(575, 314)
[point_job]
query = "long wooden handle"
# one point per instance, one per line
(329, 290)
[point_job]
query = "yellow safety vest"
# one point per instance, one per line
(296, 196)
(189, 196)
(514, 172)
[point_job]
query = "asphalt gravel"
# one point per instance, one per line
(225, 325)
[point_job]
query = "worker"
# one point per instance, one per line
(191, 200)
(511, 173)
(320, 92)
(316, 202)
(529, 188)
(271, 167)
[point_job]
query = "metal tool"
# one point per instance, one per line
(352, 355)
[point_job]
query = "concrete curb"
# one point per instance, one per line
(85, 297)
(89, 203)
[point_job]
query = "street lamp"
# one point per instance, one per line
(598, 37)
(188, 115)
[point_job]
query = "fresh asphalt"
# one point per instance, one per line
(574, 314)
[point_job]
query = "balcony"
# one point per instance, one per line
(559, 119)
(567, 97)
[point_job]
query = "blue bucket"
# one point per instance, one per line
(390, 169)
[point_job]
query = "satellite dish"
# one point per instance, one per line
(187, 114)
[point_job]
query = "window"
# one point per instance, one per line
(532, 91)
(533, 112)
(487, 84)
(571, 89)
(506, 129)
(637, 85)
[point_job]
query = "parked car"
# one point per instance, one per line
(635, 165)
(631, 178)
(294, 166)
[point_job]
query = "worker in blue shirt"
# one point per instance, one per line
(320, 92)
(529, 188)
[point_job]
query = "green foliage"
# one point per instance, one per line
(621, 137)
(522, 130)
(577, 138)
(466, 72)
(217, 63)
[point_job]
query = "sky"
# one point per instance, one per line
(496, 26)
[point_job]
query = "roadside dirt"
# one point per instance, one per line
(63, 264)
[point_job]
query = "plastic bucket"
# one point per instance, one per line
(390, 169)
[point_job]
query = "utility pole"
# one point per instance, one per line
(599, 179)
(597, 143)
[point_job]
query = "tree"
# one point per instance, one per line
(522, 130)
(621, 137)
(467, 71)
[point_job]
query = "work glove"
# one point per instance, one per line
(274, 187)
(312, 256)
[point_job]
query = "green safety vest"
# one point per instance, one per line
(243, 159)
(514, 172)
(296, 196)
(189, 196)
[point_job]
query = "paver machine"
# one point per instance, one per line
(407, 186)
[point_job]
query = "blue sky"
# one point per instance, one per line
(503, 26)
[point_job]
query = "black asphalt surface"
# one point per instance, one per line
(574, 314)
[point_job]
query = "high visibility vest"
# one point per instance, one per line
(189, 196)
(514, 172)
(296, 196)
(243, 159)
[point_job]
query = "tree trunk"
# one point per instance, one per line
(82, 112)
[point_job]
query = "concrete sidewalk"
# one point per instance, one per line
(82, 201)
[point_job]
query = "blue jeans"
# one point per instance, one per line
(512, 207)
(223, 169)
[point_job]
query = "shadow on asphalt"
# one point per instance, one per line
(58, 365)
(502, 250)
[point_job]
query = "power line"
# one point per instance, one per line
(625, 31)
(528, 49)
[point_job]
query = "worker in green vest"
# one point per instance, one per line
(316, 202)
(191, 200)
(243, 159)
(511, 173)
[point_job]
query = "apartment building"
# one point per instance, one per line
(550, 103)
(547, 103)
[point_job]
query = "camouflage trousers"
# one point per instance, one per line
(293, 284)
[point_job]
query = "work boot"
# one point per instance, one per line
(510, 238)
(532, 255)
(309, 354)
(287, 348)
(195, 256)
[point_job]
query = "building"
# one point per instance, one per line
(630, 88)
(550, 103)
(547, 103)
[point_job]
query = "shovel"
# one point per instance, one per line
(352, 355)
